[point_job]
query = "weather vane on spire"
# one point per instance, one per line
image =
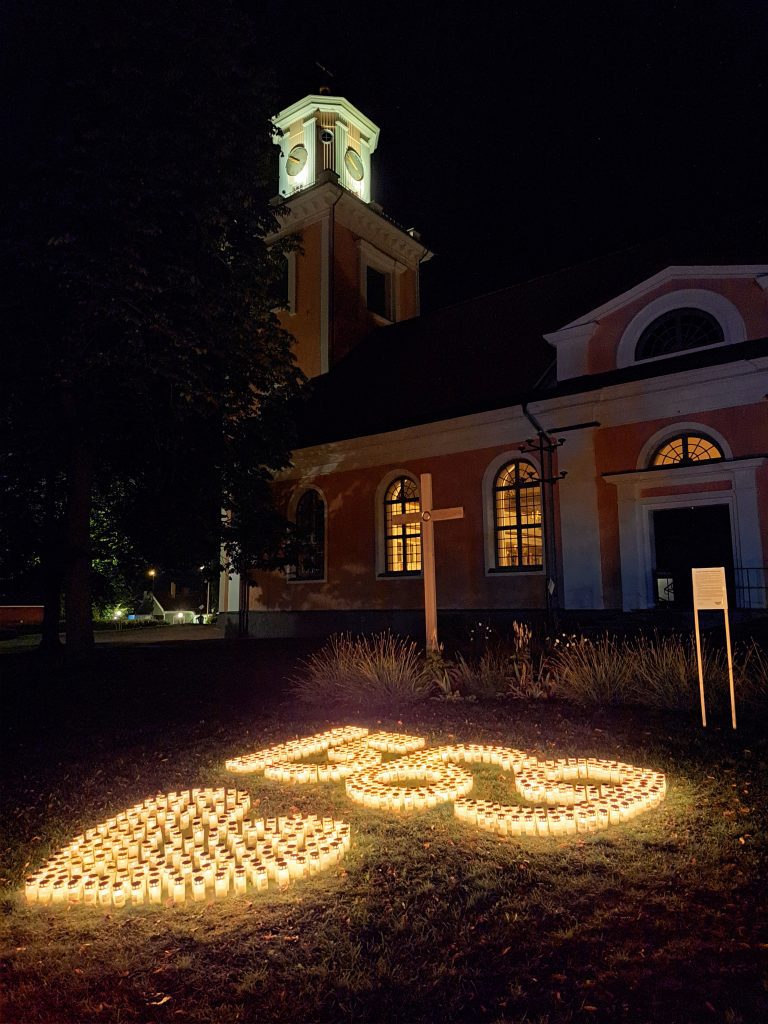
(324, 89)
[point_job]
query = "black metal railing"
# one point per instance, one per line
(747, 587)
(751, 586)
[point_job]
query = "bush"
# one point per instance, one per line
(666, 674)
(592, 671)
(490, 677)
(657, 671)
(750, 672)
(378, 670)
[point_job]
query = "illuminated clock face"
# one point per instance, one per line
(297, 158)
(354, 165)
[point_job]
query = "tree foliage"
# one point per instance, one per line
(143, 347)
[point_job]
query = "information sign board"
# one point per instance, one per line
(710, 593)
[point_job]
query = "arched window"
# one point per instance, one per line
(517, 517)
(310, 537)
(678, 330)
(684, 449)
(402, 541)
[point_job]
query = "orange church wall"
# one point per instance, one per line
(744, 427)
(353, 320)
(459, 547)
(305, 323)
(745, 294)
(617, 450)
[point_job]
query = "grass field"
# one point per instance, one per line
(427, 919)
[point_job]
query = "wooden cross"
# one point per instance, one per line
(427, 517)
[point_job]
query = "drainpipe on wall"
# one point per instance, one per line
(546, 446)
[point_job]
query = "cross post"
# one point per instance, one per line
(427, 517)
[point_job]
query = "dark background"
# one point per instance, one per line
(519, 137)
(522, 137)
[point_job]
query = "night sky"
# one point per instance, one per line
(523, 137)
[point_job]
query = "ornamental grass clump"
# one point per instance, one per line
(665, 672)
(488, 677)
(592, 671)
(751, 673)
(377, 670)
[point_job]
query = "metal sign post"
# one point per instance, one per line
(427, 517)
(710, 594)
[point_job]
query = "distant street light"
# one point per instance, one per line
(152, 573)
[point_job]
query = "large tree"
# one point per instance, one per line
(141, 342)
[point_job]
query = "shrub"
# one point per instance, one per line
(489, 677)
(657, 671)
(382, 669)
(665, 671)
(520, 672)
(592, 671)
(750, 672)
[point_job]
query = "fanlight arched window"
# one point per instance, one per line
(310, 537)
(402, 541)
(517, 517)
(683, 449)
(676, 331)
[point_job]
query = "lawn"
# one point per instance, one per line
(426, 919)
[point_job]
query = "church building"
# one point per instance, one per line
(604, 428)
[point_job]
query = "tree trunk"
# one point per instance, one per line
(79, 621)
(51, 557)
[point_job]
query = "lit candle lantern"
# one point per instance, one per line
(179, 889)
(283, 874)
(155, 888)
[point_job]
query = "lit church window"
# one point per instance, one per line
(402, 540)
(685, 449)
(677, 331)
(517, 517)
(310, 537)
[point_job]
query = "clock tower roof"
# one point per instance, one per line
(321, 103)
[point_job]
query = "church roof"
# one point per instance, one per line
(489, 352)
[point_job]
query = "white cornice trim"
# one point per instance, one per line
(694, 473)
(575, 333)
(572, 345)
(711, 387)
(664, 277)
(305, 207)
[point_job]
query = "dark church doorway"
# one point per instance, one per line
(687, 538)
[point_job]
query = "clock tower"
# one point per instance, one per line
(353, 269)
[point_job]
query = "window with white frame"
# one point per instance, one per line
(678, 330)
(309, 537)
(402, 541)
(517, 518)
(378, 281)
(685, 449)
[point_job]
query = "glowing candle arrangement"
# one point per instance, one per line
(350, 749)
(569, 795)
(187, 846)
(381, 787)
(566, 795)
(294, 750)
